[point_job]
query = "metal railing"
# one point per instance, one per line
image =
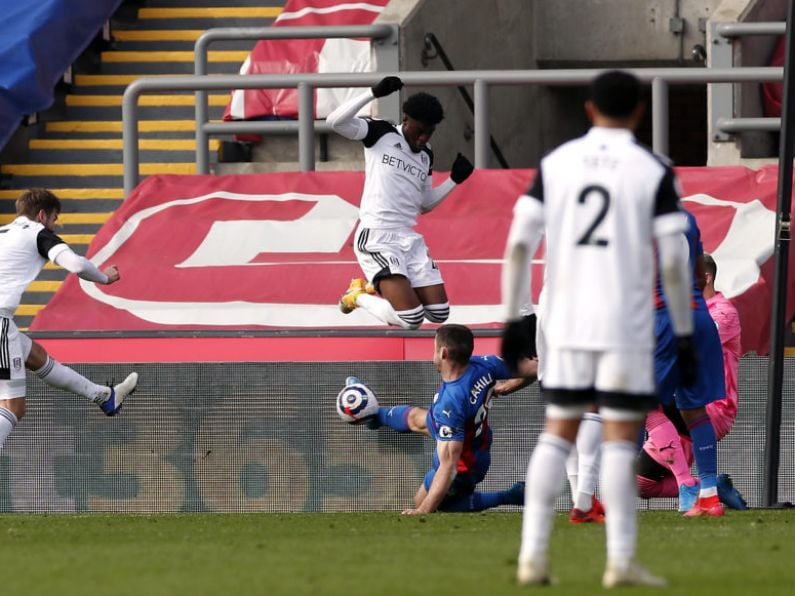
(723, 122)
(385, 37)
(659, 78)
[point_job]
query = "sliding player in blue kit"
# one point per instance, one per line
(458, 421)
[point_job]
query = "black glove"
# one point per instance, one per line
(461, 169)
(688, 360)
(386, 86)
(519, 341)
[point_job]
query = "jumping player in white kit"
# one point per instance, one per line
(397, 188)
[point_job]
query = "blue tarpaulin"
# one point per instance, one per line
(39, 40)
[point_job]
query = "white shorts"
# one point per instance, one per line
(395, 252)
(14, 349)
(614, 378)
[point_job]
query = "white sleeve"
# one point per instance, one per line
(74, 263)
(343, 120)
(432, 197)
(676, 280)
(524, 237)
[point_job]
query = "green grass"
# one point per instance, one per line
(375, 554)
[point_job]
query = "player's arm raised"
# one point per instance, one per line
(343, 120)
(449, 453)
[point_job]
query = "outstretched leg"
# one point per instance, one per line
(55, 374)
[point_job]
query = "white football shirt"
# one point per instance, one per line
(602, 198)
(397, 180)
(25, 246)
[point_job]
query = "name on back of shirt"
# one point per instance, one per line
(481, 384)
(600, 162)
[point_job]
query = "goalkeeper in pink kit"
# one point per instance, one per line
(665, 461)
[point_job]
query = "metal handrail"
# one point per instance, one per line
(430, 39)
(375, 32)
(743, 29)
(306, 83)
(723, 120)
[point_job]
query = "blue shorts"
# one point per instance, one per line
(709, 385)
(463, 484)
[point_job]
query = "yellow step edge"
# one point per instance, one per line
(145, 100)
(94, 169)
(246, 12)
(26, 310)
(84, 80)
(218, 56)
(67, 218)
(76, 238)
(117, 144)
(50, 266)
(157, 35)
(789, 352)
(73, 193)
(44, 286)
(116, 126)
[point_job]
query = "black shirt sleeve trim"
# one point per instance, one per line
(430, 160)
(667, 199)
(537, 188)
(45, 240)
(375, 130)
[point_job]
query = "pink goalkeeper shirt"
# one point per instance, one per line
(728, 323)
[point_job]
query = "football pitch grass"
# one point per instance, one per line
(349, 554)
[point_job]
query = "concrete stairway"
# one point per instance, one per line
(80, 157)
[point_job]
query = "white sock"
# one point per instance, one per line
(8, 420)
(619, 491)
(57, 375)
(545, 474)
(589, 449)
(382, 310)
(572, 467)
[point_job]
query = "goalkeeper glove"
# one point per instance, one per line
(519, 341)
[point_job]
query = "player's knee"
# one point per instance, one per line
(437, 313)
(16, 407)
(412, 318)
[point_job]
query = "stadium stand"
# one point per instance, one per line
(79, 156)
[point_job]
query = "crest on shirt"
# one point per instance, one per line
(17, 363)
(445, 432)
(424, 159)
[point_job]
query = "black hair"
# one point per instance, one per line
(458, 340)
(424, 107)
(710, 266)
(616, 93)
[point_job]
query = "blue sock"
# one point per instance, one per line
(704, 450)
(395, 418)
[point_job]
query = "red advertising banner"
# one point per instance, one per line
(305, 56)
(274, 251)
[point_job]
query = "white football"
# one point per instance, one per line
(356, 403)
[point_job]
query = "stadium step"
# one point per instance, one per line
(80, 157)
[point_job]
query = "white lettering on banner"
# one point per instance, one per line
(747, 245)
(745, 248)
(324, 228)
